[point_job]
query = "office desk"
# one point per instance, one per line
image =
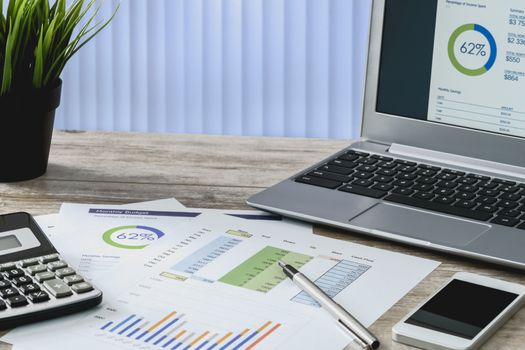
(214, 172)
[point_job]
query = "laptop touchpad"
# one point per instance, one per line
(425, 226)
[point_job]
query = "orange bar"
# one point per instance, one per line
(199, 338)
(161, 321)
(245, 331)
(181, 333)
(264, 326)
(224, 338)
(264, 336)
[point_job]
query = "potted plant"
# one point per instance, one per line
(37, 39)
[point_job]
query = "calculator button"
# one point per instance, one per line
(68, 271)
(29, 262)
(44, 276)
(36, 269)
(38, 297)
(58, 288)
(49, 258)
(55, 265)
(13, 273)
(7, 266)
(29, 288)
(3, 306)
(8, 292)
(22, 281)
(5, 284)
(70, 280)
(17, 301)
(83, 287)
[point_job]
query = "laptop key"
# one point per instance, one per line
(387, 172)
(424, 195)
(505, 182)
(382, 158)
(442, 208)
(329, 176)
(363, 191)
(383, 187)
(488, 208)
(386, 165)
(363, 175)
(404, 191)
(405, 162)
(465, 196)
(336, 169)
(343, 163)
(363, 183)
(486, 200)
(383, 179)
(507, 204)
(509, 213)
(315, 181)
(510, 197)
(358, 153)
(429, 167)
(445, 200)
(465, 204)
(505, 221)
(349, 157)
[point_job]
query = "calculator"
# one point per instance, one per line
(35, 281)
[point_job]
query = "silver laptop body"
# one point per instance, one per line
(472, 128)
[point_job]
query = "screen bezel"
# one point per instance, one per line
(389, 129)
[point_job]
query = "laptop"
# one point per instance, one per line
(441, 159)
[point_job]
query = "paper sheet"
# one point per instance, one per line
(110, 233)
(219, 284)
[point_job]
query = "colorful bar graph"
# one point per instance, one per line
(264, 336)
(210, 252)
(261, 272)
(171, 333)
(152, 328)
(207, 342)
(106, 326)
(162, 329)
(220, 341)
(131, 325)
(183, 341)
(252, 335)
(334, 281)
(198, 339)
(235, 339)
(121, 323)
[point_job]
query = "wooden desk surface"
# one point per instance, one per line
(215, 172)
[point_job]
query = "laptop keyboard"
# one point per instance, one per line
(443, 190)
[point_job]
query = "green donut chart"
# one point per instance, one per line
(109, 237)
(492, 44)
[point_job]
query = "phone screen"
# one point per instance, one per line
(462, 309)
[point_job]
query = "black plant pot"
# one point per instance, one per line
(26, 129)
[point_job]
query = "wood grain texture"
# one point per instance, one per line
(215, 172)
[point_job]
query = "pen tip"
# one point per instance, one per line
(281, 264)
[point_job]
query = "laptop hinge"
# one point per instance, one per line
(454, 160)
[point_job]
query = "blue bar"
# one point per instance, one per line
(121, 323)
(135, 331)
(176, 346)
(202, 345)
(143, 334)
(213, 346)
(168, 343)
(106, 325)
(130, 325)
(246, 340)
(160, 339)
(231, 342)
(162, 329)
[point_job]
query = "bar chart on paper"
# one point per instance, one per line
(176, 331)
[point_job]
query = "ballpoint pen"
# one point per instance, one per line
(361, 335)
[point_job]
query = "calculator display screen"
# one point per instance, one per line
(462, 309)
(9, 242)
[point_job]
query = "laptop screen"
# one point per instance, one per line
(455, 62)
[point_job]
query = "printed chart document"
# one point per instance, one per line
(478, 70)
(110, 233)
(219, 287)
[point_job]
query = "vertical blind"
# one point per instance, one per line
(241, 67)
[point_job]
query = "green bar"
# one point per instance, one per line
(261, 272)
